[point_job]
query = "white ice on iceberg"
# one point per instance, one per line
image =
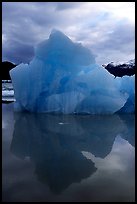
(63, 77)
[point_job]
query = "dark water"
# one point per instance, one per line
(67, 158)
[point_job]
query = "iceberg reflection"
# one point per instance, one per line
(55, 143)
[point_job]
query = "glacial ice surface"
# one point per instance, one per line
(63, 77)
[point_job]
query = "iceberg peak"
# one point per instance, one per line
(59, 38)
(58, 34)
(59, 49)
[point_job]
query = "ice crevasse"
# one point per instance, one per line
(63, 77)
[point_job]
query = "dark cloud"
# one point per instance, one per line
(67, 5)
(18, 52)
(25, 24)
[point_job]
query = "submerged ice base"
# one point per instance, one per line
(63, 77)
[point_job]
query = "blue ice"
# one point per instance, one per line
(63, 77)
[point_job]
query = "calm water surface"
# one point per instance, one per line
(67, 158)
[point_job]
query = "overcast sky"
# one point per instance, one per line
(106, 28)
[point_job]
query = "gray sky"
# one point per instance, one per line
(106, 28)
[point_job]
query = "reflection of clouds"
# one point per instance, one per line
(115, 175)
(59, 145)
(7, 117)
(120, 157)
(3, 124)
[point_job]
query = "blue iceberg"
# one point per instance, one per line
(63, 77)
